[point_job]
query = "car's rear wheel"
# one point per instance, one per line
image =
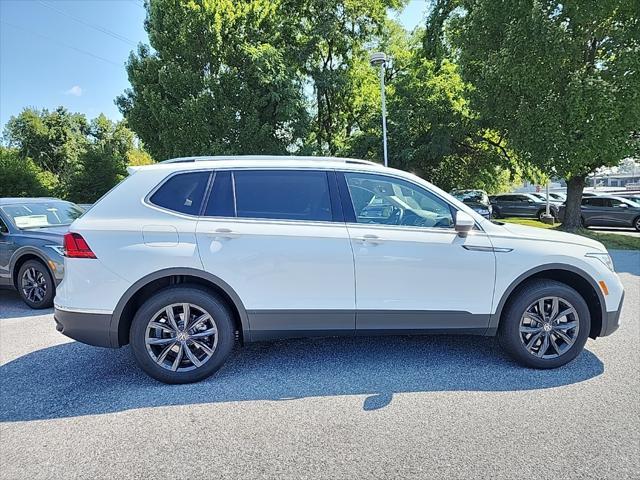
(182, 334)
(545, 325)
(35, 284)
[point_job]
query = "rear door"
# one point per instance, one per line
(278, 238)
(595, 210)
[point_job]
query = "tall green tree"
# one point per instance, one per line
(54, 140)
(103, 164)
(559, 81)
(432, 129)
(218, 78)
(21, 177)
(333, 41)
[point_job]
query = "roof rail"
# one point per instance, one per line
(267, 157)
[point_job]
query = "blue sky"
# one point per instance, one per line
(72, 52)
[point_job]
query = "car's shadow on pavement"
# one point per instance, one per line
(73, 379)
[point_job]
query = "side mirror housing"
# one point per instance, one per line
(464, 223)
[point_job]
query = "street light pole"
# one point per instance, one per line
(380, 59)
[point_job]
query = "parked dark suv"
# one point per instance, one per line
(609, 211)
(521, 205)
(476, 199)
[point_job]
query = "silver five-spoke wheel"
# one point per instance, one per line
(181, 337)
(34, 285)
(549, 327)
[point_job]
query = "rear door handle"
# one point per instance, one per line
(223, 233)
(369, 238)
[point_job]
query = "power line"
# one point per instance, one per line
(61, 43)
(106, 31)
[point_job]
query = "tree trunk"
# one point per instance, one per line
(572, 212)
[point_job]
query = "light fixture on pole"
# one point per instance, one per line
(379, 59)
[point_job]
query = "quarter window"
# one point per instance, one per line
(392, 201)
(182, 193)
(282, 194)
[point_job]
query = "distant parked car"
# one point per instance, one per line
(476, 199)
(608, 211)
(553, 197)
(31, 238)
(634, 197)
(521, 205)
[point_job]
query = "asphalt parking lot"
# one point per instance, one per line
(422, 407)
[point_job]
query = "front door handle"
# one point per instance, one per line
(369, 238)
(223, 233)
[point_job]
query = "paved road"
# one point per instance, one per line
(430, 407)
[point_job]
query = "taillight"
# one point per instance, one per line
(76, 247)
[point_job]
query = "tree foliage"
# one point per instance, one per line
(21, 177)
(219, 80)
(560, 81)
(63, 154)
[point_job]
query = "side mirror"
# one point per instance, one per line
(464, 223)
(623, 205)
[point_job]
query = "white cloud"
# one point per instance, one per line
(76, 91)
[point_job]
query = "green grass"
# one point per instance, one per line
(610, 240)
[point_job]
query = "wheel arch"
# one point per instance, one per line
(564, 273)
(24, 254)
(141, 290)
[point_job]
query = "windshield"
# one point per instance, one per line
(42, 214)
(477, 196)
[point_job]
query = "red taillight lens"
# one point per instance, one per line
(76, 247)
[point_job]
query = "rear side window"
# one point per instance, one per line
(284, 194)
(182, 193)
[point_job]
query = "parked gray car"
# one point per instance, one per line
(609, 211)
(521, 205)
(31, 235)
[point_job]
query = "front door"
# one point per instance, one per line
(277, 237)
(413, 271)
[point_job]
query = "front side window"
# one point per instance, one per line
(391, 201)
(283, 195)
(182, 193)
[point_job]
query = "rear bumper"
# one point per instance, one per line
(611, 320)
(89, 328)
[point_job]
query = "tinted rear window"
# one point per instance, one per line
(182, 193)
(286, 195)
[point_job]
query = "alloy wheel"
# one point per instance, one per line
(549, 327)
(34, 285)
(181, 337)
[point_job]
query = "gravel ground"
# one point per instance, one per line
(423, 407)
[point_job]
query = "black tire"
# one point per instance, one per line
(509, 334)
(35, 284)
(636, 224)
(204, 300)
(541, 213)
(496, 213)
(583, 222)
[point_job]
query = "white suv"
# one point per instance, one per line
(185, 257)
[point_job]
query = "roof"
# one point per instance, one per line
(257, 161)
(12, 200)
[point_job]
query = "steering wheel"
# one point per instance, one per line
(411, 219)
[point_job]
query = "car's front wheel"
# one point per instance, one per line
(545, 325)
(182, 334)
(35, 284)
(636, 224)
